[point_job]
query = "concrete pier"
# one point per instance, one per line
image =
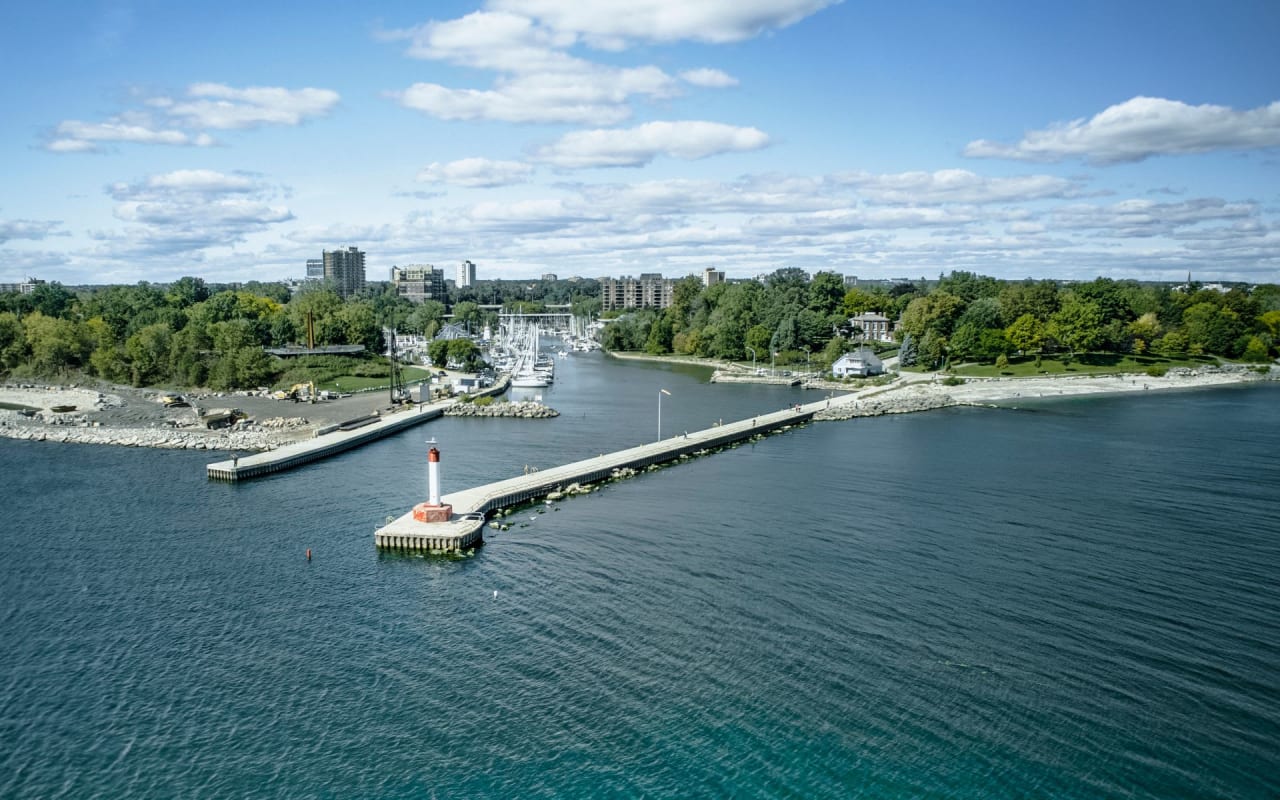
(472, 506)
(323, 446)
(335, 439)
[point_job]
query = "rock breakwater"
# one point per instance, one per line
(522, 410)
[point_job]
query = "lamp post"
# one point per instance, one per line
(808, 372)
(773, 367)
(661, 392)
(753, 360)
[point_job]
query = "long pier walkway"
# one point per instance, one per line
(336, 440)
(328, 444)
(472, 506)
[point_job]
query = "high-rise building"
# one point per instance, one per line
(315, 269)
(650, 290)
(418, 282)
(712, 276)
(466, 274)
(344, 270)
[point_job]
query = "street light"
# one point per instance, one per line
(773, 369)
(753, 360)
(661, 392)
(807, 371)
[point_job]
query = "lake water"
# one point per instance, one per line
(1073, 600)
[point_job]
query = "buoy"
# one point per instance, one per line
(308, 553)
(495, 592)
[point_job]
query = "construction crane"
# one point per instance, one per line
(399, 392)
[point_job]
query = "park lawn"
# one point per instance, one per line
(355, 383)
(1082, 364)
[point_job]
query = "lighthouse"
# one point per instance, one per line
(433, 476)
(433, 510)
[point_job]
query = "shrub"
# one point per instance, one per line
(487, 400)
(1157, 371)
(952, 380)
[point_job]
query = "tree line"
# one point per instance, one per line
(189, 333)
(962, 317)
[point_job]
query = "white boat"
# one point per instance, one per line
(529, 380)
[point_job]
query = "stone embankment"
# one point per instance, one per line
(522, 410)
(244, 439)
(877, 406)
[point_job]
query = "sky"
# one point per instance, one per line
(234, 140)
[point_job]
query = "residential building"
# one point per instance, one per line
(549, 277)
(858, 364)
(710, 276)
(875, 326)
(315, 269)
(466, 274)
(344, 270)
(419, 282)
(650, 290)
(26, 287)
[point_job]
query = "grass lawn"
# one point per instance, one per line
(353, 383)
(1082, 364)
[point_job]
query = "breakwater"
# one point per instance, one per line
(471, 506)
(523, 410)
(323, 446)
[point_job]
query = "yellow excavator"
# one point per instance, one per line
(297, 392)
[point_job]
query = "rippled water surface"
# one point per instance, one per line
(1074, 600)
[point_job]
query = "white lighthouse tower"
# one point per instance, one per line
(433, 510)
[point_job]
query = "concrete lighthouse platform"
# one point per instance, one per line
(460, 532)
(432, 526)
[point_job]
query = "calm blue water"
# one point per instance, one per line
(1078, 600)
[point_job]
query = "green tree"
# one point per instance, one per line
(13, 342)
(463, 352)
(55, 344)
(186, 292)
(438, 353)
(826, 293)
(1256, 350)
(660, 335)
(1026, 333)
(148, 352)
(467, 314)
(1076, 325)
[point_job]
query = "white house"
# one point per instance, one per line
(858, 364)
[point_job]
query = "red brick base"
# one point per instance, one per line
(425, 512)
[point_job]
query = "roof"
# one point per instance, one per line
(326, 350)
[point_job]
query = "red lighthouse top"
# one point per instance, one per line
(433, 455)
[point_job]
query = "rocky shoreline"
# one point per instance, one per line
(523, 410)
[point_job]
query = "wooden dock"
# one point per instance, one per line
(472, 506)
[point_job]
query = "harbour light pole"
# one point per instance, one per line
(753, 360)
(661, 392)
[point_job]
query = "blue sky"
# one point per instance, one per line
(152, 140)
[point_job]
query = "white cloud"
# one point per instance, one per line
(632, 147)
(207, 105)
(611, 25)
(1144, 218)
(187, 211)
(708, 78)
(955, 186)
(222, 107)
(74, 136)
(1140, 128)
(538, 81)
(28, 229)
(477, 172)
(594, 96)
